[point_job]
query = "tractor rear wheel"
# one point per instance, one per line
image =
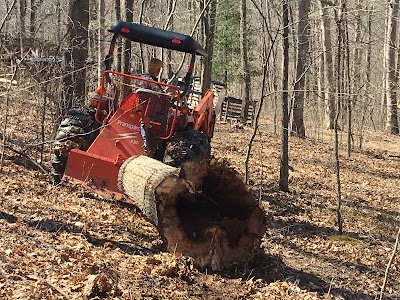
(78, 130)
(188, 145)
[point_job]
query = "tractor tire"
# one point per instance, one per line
(189, 145)
(77, 131)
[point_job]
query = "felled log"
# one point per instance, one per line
(202, 210)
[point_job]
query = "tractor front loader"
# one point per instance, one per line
(151, 148)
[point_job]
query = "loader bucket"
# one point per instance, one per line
(95, 171)
(98, 167)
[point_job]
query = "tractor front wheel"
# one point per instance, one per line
(188, 145)
(78, 130)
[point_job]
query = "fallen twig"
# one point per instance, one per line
(39, 166)
(4, 137)
(389, 264)
(3, 274)
(50, 284)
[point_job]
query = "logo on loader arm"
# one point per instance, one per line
(126, 136)
(127, 125)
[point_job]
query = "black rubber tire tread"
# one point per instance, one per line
(77, 130)
(188, 145)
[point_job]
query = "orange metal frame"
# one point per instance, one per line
(99, 165)
(203, 114)
(121, 138)
(118, 140)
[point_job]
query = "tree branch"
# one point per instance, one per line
(191, 34)
(7, 14)
(389, 264)
(6, 118)
(328, 2)
(170, 15)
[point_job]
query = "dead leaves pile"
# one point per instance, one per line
(304, 223)
(289, 291)
(65, 243)
(174, 266)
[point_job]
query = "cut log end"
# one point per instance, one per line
(209, 214)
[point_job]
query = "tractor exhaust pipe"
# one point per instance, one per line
(202, 210)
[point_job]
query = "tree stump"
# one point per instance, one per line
(203, 209)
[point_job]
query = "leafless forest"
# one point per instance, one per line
(341, 59)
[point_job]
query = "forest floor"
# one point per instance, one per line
(64, 242)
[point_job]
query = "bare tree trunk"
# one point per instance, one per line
(5, 120)
(245, 64)
(42, 126)
(128, 51)
(383, 112)
(203, 30)
(22, 14)
(349, 90)
(171, 6)
(337, 171)
(118, 49)
(209, 26)
(303, 43)
(339, 22)
(274, 84)
(140, 22)
(321, 95)
(284, 162)
(328, 66)
(397, 62)
(357, 62)
(32, 20)
(368, 73)
(274, 76)
(225, 50)
(369, 48)
(392, 124)
(76, 55)
(100, 41)
(58, 11)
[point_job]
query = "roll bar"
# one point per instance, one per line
(156, 37)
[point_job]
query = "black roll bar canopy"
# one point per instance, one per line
(157, 37)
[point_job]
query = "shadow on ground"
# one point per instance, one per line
(56, 227)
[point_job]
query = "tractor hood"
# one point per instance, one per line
(157, 37)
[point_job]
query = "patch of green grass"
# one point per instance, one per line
(344, 239)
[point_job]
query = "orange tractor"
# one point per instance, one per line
(125, 120)
(149, 147)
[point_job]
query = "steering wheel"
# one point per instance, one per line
(181, 85)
